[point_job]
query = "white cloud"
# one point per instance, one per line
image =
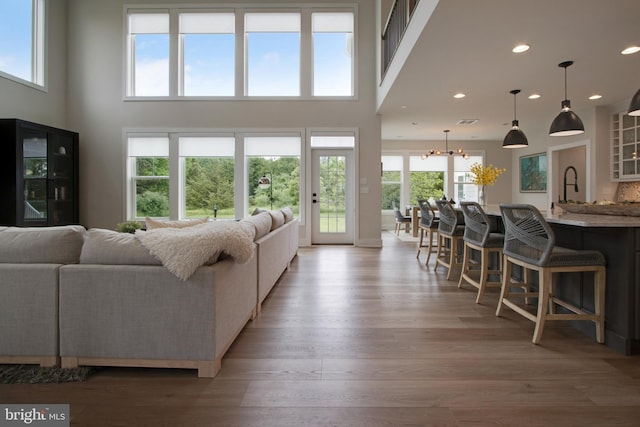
(152, 78)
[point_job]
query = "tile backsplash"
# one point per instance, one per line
(628, 191)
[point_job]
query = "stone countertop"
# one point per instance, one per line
(581, 220)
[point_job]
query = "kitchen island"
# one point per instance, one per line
(618, 238)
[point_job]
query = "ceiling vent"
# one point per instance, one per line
(467, 122)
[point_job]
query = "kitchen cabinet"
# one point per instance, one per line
(625, 147)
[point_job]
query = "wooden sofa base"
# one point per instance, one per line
(44, 361)
(206, 368)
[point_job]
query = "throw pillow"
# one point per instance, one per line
(261, 222)
(288, 214)
(162, 223)
(277, 219)
(42, 245)
(111, 247)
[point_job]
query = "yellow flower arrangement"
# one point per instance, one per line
(485, 175)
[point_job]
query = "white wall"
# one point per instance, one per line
(98, 112)
(49, 107)
(596, 139)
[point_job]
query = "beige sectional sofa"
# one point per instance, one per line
(30, 261)
(113, 304)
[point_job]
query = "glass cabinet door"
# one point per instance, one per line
(35, 173)
(61, 174)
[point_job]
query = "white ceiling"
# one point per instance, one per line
(466, 47)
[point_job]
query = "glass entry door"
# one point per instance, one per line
(332, 197)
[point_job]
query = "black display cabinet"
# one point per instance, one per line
(39, 175)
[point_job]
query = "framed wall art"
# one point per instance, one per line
(533, 173)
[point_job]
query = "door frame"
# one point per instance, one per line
(349, 237)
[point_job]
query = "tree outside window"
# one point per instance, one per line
(391, 181)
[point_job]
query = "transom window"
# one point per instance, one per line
(303, 52)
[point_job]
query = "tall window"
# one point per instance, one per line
(273, 54)
(406, 178)
(149, 54)
(426, 178)
(192, 175)
(463, 188)
(149, 172)
(22, 32)
(391, 181)
(332, 54)
(278, 159)
(209, 174)
(208, 52)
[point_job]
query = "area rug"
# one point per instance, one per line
(34, 374)
(405, 237)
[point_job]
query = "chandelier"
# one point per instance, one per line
(457, 152)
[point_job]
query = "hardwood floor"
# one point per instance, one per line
(370, 337)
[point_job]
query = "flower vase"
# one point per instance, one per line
(482, 198)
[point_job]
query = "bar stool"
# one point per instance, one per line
(401, 220)
(478, 237)
(530, 243)
(429, 224)
(450, 234)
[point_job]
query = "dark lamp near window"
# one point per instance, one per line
(264, 183)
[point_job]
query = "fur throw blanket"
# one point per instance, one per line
(183, 250)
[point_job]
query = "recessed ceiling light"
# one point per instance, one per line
(459, 95)
(404, 107)
(414, 123)
(534, 96)
(595, 96)
(630, 50)
(467, 122)
(521, 48)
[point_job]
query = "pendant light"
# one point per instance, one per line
(567, 123)
(634, 107)
(515, 137)
(457, 152)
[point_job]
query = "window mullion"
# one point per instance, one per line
(241, 68)
(306, 61)
(175, 180)
(175, 54)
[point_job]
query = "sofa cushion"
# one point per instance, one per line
(257, 211)
(162, 223)
(261, 222)
(277, 219)
(42, 245)
(288, 214)
(111, 247)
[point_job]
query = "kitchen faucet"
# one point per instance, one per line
(575, 181)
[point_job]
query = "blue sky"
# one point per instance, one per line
(274, 59)
(15, 38)
(274, 64)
